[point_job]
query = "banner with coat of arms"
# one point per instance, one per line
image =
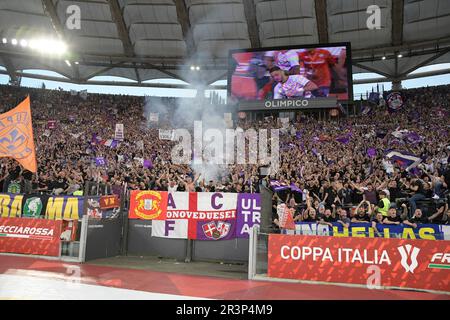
(16, 136)
(198, 216)
(395, 100)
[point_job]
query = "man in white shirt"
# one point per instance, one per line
(287, 60)
(290, 86)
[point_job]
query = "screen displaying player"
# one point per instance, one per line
(292, 73)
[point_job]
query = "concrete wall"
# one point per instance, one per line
(227, 250)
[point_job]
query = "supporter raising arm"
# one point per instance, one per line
(363, 213)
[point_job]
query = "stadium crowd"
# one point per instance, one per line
(326, 167)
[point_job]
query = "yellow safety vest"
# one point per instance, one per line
(386, 205)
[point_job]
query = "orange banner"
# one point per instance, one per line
(148, 205)
(109, 202)
(16, 136)
(373, 262)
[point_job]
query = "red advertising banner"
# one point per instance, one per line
(30, 236)
(148, 205)
(375, 262)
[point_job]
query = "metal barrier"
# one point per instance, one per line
(258, 253)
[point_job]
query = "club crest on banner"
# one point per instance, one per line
(32, 207)
(14, 141)
(149, 205)
(395, 100)
(216, 231)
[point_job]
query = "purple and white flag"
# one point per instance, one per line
(277, 186)
(175, 229)
(248, 213)
(413, 137)
(100, 161)
(295, 188)
(404, 159)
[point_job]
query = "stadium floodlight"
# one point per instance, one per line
(76, 62)
(14, 42)
(192, 68)
(4, 40)
(383, 58)
(197, 68)
(68, 63)
(23, 43)
(48, 46)
(399, 55)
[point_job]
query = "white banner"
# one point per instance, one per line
(119, 132)
(175, 229)
(208, 205)
(165, 134)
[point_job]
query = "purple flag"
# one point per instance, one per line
(248, 213)
(94, 139)
(314, 151)
(404, 159)
(148, 164)
(277, 186)
(114, 143)
(216, 229)
(415, 171)
(100, 161)
(295, 188)
(298, 135)
(413, 137)
(371, 152)
(366, 110)
(344, 139)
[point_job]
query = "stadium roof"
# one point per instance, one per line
(152, 39)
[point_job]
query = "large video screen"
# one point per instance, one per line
(291, 73)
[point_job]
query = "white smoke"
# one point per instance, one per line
(188, 110)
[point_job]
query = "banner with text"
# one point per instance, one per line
(30, 236)
(375, 262)
(205, 215)
(119, 135)
(103, 207)
(166, 134)
(365, 230)
(49, 207)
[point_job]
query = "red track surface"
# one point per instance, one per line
(198, 286)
